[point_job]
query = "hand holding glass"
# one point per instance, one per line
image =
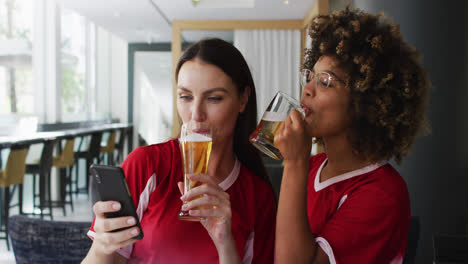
(195, 145)
(263, 136)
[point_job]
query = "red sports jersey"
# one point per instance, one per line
(152, 173)
(361, 216)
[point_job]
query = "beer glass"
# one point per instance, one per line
(195, 145)
(263, 136)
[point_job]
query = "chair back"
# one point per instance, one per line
(42, 241)
(45, 162)
(120, 144)
(68, 154)
(110, 146)
(122, 134)
(15, 166)
(95, 144)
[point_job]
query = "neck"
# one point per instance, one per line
(222, 160)
(341, 157)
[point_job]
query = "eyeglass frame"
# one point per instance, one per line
(315, 76)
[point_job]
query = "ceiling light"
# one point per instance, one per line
(286, 2)
(195, 2)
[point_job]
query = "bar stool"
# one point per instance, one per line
(42, 169)
(65, 162)
(13, 175)
(119, 146)
(90, 155)
(109, 148)
(77, 149)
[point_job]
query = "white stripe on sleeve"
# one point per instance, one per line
(248, 249)
(323, 243)
(142, 206)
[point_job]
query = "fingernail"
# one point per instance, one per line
(182, 197)
(131, 221)
(193, 212)
(116, 206)
(134, 231)
(184, 207)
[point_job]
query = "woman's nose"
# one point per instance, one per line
(309, 90)
(198, 112)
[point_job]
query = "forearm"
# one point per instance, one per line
(295, 242)
(228, 253)
(94, 256)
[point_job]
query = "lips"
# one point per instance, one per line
(306, 109)
(201, 131)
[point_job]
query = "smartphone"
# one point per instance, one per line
(111, 186)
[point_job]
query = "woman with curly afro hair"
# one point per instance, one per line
(364, 97)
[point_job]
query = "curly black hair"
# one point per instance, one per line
(387, 84)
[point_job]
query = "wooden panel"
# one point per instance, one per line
(303, 44)
(321, 7)
(176, 48)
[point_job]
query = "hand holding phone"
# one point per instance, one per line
(112, 186)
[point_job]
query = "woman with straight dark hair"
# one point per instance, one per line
(237, 204)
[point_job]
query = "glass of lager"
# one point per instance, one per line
(263, 136)
(195, 146)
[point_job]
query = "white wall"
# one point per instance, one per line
(46, 61)
(153, 95)
(119, 80)
(103, 70)
(112, 75)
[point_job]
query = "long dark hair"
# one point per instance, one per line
(229, 59)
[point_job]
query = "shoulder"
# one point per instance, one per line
(161, 148)
(147, 159)
(154, 151)
(388, 179)
(383, 186)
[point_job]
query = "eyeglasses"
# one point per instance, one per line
(322, 79)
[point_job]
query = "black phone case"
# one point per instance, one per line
(111, 185)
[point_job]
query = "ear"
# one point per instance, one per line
(244, 99)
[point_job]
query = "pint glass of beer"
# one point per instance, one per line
(195, 145)
(263, 136)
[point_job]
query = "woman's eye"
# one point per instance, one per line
(215, 98)
(324, 81)
(185, 97)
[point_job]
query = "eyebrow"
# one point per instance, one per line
(217, 89)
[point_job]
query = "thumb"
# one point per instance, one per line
(181, 187)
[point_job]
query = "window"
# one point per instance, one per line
(78, 66)
(16, 40)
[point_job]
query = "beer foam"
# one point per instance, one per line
(274, 116)
(196, 138)
(279, 117)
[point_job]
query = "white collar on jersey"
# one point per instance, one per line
(232, 177)
(348, 175)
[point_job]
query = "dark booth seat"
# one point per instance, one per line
(43, 241)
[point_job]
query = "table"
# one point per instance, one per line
(40, 137)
